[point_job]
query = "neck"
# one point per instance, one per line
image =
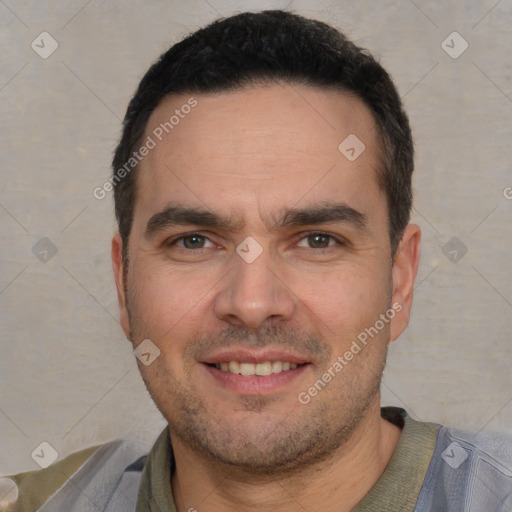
(338, 483)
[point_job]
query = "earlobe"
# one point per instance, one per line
(118, 268)
(405, 268)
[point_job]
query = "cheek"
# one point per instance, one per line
(165, 301)
(344, 302)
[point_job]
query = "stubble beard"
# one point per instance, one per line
(302, 438)
(281, 447)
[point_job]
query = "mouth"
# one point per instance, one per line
(259, 369)
(255, 372)
(251, 373)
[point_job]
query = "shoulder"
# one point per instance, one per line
(92, 471)
(31, 489)
(470, 467)
(490, 450)
(494, 445)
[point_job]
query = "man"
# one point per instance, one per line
(264, 262)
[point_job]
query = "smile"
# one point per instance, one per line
(260, 369)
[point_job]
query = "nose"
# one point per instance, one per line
(254, 293)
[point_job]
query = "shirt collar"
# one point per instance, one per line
(398, 488)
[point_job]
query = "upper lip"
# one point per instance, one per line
(253, 356)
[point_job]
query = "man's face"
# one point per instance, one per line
(300, 268)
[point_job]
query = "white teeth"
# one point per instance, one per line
(263, 369)
(260, 369)
(277, 367)
(246, 369)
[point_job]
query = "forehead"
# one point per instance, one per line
(268, 144)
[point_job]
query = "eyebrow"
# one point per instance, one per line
(176, 214)
(339, 213)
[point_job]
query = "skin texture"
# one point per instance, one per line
(248, 154)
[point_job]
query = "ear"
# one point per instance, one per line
(405, 268)
(118, 266)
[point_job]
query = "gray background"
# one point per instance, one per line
(67, 374)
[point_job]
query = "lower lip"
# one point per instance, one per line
(254, 384)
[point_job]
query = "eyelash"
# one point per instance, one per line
(173, 241)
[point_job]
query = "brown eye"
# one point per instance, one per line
(193, 241)
(318, 241)
(190, 241)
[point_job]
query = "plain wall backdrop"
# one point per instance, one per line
(67, 373)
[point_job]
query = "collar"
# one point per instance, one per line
(398, 488)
